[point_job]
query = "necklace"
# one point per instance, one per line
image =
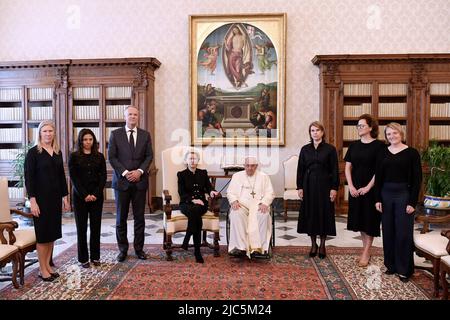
(253, 187)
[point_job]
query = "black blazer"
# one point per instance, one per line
(88, 174)
(122, 158)
(193, 186)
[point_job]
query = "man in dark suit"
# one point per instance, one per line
(130, 154)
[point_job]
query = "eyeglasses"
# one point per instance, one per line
(361, 126)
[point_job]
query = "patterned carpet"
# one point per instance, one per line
(289, 275)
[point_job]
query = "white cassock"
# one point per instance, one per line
(250, 229)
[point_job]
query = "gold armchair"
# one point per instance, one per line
(9, 252)
(174, 221)
(25, 239)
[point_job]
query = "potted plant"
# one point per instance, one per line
(19, 172)
(437, 188)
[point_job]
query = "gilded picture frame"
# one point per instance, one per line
(237, 79)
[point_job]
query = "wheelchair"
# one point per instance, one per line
(267, 256)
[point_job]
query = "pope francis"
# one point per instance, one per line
(250, 194)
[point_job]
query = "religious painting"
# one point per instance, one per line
(237, 79)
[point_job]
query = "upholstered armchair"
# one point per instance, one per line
(445, 266)
(9, 252)
(174, 221)
(433, 246)
(25, 239)
(290, 195)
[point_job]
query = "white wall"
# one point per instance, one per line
(53, 29)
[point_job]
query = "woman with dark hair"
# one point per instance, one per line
(87, 170)
(317, 185)
(360, 165)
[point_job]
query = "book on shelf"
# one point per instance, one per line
(442, 89)
(115, 112)
(9, 154)
(118, 92)
(33, 133)
(441, 132)
(392, 89)
(10, 94)
(86, 93)
(15, 193)
(86, 112)
(108, 131)
(392, 109)
(350, 133)
(344, 152)
(40, 94)
(11, 114)
(440, 110)
(10, 135)
(76, 131)
(109, 194)
(357, 89)
(354, 111)
(40, 113)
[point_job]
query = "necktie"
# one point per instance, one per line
(131, 140)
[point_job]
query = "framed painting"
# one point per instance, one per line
(237, 79)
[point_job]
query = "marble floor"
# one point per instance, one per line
(285, 233)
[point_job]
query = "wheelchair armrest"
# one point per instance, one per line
(214, 205)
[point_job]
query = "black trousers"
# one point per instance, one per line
(85, 211)
(123, 199)
(194, 212)
(398, 229)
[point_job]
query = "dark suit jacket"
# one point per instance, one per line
(193, 186)
(121, 157)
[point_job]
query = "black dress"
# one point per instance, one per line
(362, 215)
(45, 180)
(317, 175)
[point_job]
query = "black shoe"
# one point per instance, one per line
(96, 263)
(322, 252)
(85, 265)
(48, 279)
(185, 246)
(121, 257)
(199, 258)
(237, 253)
(141, 255)
(403, 278)
(313, 251)
(389, 272)
(55, 275)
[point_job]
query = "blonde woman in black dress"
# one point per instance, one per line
(46, 186)
(360, 166)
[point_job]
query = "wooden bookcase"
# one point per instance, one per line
(76, 94)
(411, 89)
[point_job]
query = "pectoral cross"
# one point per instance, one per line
(253, 194)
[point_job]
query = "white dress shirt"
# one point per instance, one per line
(134, 132)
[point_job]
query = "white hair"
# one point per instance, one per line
(251, 160)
